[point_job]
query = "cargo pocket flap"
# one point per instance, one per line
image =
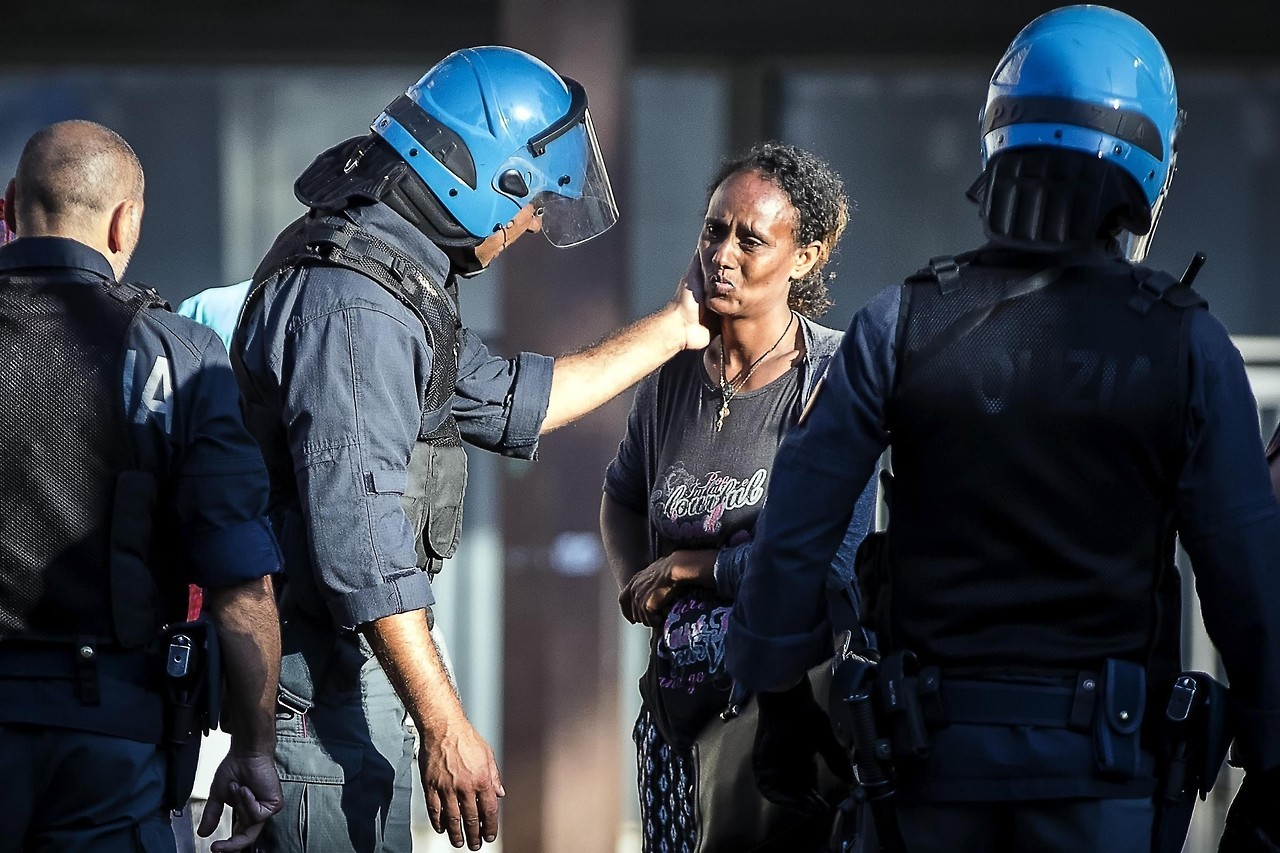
(387, 482)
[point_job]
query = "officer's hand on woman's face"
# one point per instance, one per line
(700, 324)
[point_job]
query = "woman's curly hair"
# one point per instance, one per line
(822, 210)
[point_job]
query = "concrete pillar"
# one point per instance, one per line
(561, 768)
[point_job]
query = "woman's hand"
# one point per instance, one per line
(646, 598)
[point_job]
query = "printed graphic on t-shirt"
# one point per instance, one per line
(692, 643)
(692, 508)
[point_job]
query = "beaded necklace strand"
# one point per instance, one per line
(729, 389)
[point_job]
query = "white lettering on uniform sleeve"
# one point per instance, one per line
(157, 391)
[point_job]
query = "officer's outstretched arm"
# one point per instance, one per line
(249, 637)
(586, 380)
(459, 774)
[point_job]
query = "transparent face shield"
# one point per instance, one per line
(583, 208)
(577, 203)
(1136, 246)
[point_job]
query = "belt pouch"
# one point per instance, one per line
(1118, 723)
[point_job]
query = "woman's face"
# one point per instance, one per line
(748, 249)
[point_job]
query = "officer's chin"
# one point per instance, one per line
(464, 262)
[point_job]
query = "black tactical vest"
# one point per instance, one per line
(75, 517)
(1037, 439)
(437, 470)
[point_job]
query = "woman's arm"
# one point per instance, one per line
(625, 534)
(645, 587)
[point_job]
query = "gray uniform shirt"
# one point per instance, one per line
(335, 371)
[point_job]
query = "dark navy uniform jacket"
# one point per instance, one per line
(1227, 518)
(346, 366)
(185, 420)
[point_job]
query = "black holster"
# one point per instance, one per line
(1194, 739)
(857, 688)
(193, 688)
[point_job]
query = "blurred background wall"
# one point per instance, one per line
(226, 103)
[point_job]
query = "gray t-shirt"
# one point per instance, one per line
(711, 483)
(709, 487)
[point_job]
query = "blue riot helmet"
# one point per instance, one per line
(1096, 81)
(491, 129)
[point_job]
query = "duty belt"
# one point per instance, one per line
(1010, 703)
(81, 664)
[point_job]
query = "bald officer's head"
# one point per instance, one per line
(81, 180)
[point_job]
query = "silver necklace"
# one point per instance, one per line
(729, 389)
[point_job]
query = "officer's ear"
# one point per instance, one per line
(125, 227)
(10, 217)
(806, 258)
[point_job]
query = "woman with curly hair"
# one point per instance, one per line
(682, 496)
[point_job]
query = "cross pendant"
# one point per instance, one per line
(722, 414)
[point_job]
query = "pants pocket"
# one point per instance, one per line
(323, 801)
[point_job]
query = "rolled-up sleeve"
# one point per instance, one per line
(779, 624)
(500, 403)
(352, 413)
(220, 493)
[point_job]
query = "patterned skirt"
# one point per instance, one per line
(667, 809)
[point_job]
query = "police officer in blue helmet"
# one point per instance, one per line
(360, 382)
(1057, 415)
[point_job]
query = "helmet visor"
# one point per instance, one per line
(576, 211)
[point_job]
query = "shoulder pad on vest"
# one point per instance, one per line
(135, 291)
(1153, 286)
(944, 270)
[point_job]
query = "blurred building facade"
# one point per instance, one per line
(226, 103)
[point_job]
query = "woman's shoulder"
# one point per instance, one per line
(822, 340)
(681, 364)
(679, 368)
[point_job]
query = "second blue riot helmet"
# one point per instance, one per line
(491, 129)
(1093, 80)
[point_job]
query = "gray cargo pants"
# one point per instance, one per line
(345, 754)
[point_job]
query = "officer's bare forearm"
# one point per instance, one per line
(403, 645)
(586, 380)
(249, 636)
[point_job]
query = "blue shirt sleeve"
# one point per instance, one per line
(351, 410)
(500, 403)
(1229, 523)
(779, 624)
(219, 488)
(218, 308)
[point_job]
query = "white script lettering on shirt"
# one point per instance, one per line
(716, 491)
